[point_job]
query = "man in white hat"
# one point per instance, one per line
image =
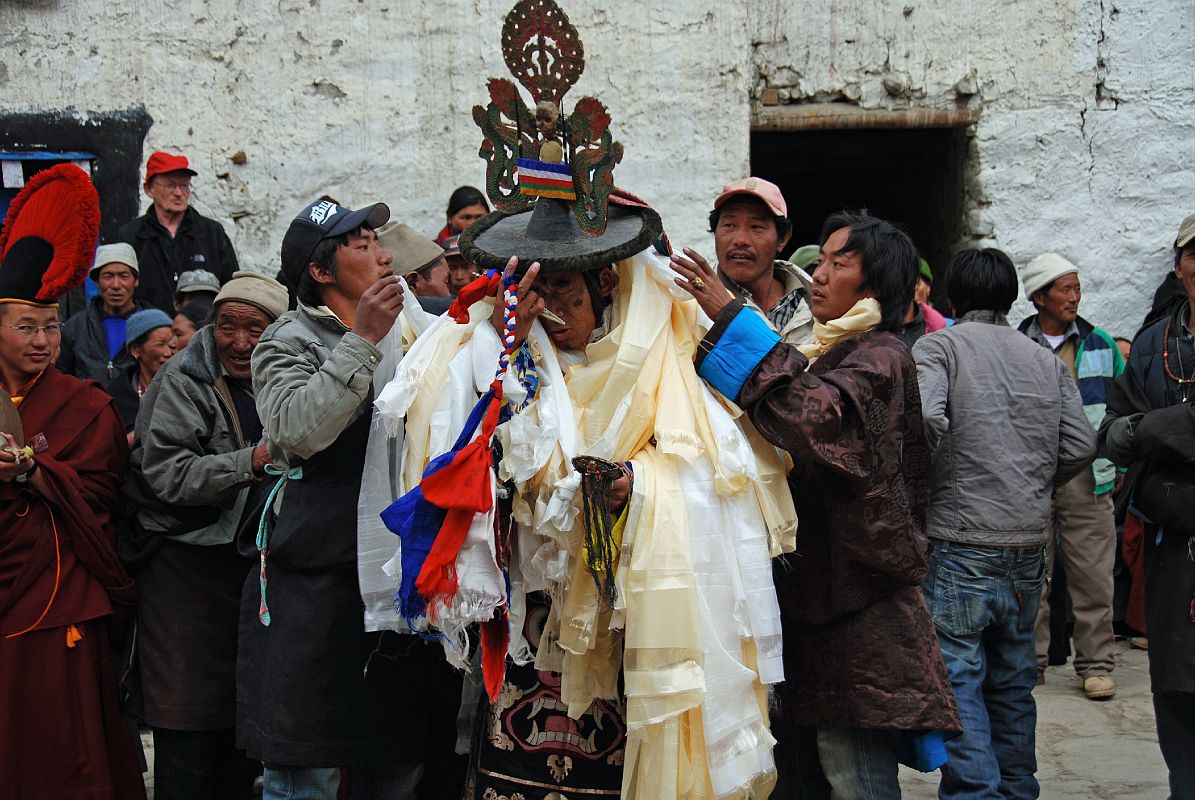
(1083, 523)
(93, 339)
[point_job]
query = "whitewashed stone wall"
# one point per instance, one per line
(1085, 144)
(372, 100)
(1086, 140)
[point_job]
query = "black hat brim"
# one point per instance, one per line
(493, 239)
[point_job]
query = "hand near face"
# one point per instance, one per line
(700, 280)
(530, 304)
(378, 308)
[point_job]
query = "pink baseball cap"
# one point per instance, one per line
(756, 187)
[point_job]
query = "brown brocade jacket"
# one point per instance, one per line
(859, 645)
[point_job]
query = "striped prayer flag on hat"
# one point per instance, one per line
(544, 179)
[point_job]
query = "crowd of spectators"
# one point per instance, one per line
(943, 460)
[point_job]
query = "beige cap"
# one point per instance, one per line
(1042, 270)
(411, 251)
(1186, 232)
(118, 253)
(257, 290)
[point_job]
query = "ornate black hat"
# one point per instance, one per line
(548, 174)
(49, 236)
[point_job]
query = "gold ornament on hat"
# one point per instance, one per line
(544, 53)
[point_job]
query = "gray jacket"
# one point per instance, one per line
(312, 377)
(1007, 425)
(188, 447)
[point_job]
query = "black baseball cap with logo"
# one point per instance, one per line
(321, 220)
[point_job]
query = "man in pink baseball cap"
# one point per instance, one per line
(750, 226)
(172, 237)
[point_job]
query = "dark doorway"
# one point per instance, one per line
(911, 176)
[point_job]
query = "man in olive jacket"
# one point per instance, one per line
(316, 692)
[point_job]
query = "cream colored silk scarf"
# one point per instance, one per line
(862, 317)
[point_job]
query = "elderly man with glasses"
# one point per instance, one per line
(172, 237)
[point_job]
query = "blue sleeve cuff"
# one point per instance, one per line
(738, 351)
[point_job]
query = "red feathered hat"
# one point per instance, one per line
(49, 236)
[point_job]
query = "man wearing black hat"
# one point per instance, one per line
(316, 692)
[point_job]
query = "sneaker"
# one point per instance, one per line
(1139, 643)
(1099, 687)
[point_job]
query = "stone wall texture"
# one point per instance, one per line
(1085, 143)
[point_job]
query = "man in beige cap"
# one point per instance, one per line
(1150, 429)
(93, 339)
(1170, 292)
(197, 456)
(750, 226)
(420, 262)
(1084, 528)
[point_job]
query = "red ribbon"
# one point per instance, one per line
(484, 286)
(462, 487)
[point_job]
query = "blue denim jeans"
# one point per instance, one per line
(984, 602)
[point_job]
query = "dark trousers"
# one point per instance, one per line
(200, 765)
(1175, 713)
(824, 763)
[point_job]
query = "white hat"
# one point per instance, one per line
(118, 253)
(1044, 269)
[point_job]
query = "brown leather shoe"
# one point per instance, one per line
(1099, 687)
(1139, 643)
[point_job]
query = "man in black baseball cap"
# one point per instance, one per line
(316, 691)
(324, 219)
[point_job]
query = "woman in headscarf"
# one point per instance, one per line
(150, 341)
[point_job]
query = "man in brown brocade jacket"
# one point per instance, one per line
(865, 683)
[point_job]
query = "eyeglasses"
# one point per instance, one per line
(29, 331)
(172, 186)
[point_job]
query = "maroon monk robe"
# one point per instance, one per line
(61, 730)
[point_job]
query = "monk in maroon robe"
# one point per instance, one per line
(62, 733)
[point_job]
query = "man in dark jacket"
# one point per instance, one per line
(93, 340)
(1150, 428)
(1007, 426)
(198, 454)
(865, 685)
(172, 237)
(315, 691)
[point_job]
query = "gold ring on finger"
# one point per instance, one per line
(698, 284)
